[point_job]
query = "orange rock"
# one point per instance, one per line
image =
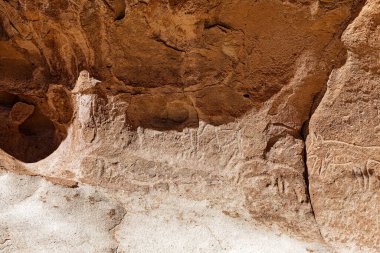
(21, 112)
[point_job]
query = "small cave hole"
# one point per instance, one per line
(119, 16)
(26, 133)
(246, 95)
(119, 8)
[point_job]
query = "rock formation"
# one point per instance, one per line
(189, 126)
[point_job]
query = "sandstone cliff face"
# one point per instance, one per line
(251, 114)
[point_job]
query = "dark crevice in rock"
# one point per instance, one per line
(3, 34)
(7, 99)
(220, 25)
(317, 98)
(304, 133)
(118, 7)
(167, 44)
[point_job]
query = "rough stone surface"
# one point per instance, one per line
(36, 216)
(21, 112)
(344, 141)
(201, 124)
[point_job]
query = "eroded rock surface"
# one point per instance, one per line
(36, 216)
(199, 102)
(344, 142)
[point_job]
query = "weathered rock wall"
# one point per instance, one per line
(264, 110)
(343, 145)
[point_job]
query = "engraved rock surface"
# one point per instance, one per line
(190, 126)
(344, 143)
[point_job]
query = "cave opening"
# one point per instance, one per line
(26, 132)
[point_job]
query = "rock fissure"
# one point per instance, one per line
(315, 102)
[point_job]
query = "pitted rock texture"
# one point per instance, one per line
(262, 111)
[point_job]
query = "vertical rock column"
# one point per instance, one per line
(85, 104)
(343, 147)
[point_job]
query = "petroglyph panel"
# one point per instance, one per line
(345, 184)
(277, 191)
(334, 161)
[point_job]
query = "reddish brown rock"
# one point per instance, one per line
(204, 101)
(21, 112)
(343, 145)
